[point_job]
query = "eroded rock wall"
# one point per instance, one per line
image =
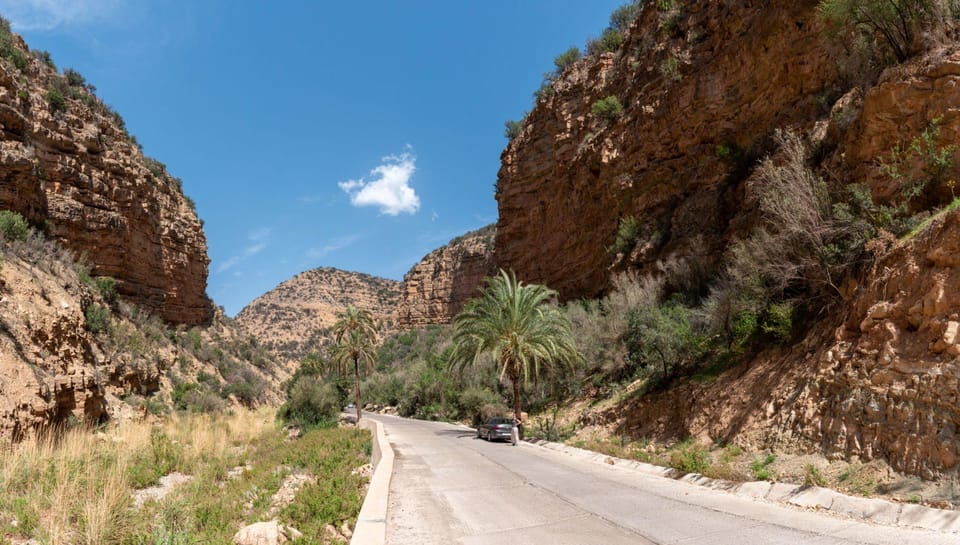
(437, 287)
(76, 172)
(702, 86)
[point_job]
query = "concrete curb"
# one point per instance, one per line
(812, 497)
(371, 528)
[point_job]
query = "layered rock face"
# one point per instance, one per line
(701, 85)
(436, 288)
(54, 370)
(295, 318)
(76, 172)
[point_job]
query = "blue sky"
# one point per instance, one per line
(358, 135)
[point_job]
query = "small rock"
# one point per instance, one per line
(345, 530)
(366, 470)
(265, 533)
(609, 460)
(330, 533)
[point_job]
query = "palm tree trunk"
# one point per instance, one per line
(356, 374)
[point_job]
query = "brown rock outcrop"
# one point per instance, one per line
(295, 317)
(436, 288)
(77, 172)
(700, 85)
(884, 384)
(55, 370)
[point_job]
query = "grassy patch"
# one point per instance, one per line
(761, 468)
(78, 489)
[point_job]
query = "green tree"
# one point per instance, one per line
(896, 24)
(355, 333)
(515, 323)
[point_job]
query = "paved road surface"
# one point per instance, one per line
(450, 487)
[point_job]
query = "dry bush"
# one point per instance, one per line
(598, 327)
(795, 247)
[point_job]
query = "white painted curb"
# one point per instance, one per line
(371, 528)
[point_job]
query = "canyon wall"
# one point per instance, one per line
(703, 87)
(75, 172)
(436, 288)
(876, 375)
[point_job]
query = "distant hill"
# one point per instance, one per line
(294, 318)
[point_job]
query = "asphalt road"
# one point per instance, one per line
(450, 487)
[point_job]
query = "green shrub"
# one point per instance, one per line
(761, 468)
(311, 402)
(74, 78)
(664, 336)
(44, 57)
(628, 233)
(623, 17)
(474, 399)
(778, 321)
(511, 129)
(13, 226)
(670, 69)
(608, 42)
(108, 288)
(163, 457)
(690, 458)
(97, 318)
(896, 27)
(56, 101)
(9, 50)
(607, 109)
(566, 59)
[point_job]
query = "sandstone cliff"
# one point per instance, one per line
(295, 318)
(702, 78)
(436, 288)
(69, 353)
(876, 376)
(68, 163)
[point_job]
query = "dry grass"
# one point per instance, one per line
(76, 488)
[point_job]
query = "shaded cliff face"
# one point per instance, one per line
(436, 288)
(295, 318)
(76, 172)
(701, 85)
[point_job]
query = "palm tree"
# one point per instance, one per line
(354, 332)
(514, 322)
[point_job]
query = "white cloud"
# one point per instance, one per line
(390, 187)
(258, 239)
(333, 246)
(228, 264)
(51, 14)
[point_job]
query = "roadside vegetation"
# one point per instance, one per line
(88, 487)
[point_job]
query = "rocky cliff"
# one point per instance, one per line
(436, 288)
(71, 351)
(72, 354)
(67, 163)
(702, 85)
(295, 318)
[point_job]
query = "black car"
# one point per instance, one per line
(497, 427)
